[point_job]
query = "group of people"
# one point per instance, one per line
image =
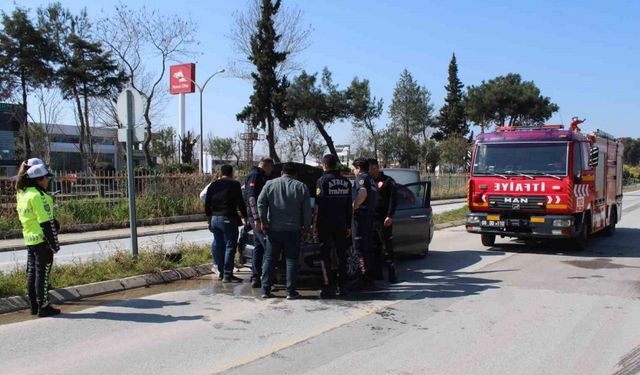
(279, 212)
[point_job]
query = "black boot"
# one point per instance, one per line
(47, 310)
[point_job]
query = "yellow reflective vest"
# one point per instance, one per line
(34, 207)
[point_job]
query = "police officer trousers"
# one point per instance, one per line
(383, 245)
(362, 228)
(333, 238)
(39, 262)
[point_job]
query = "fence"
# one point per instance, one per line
(448, 186)
(113, 185)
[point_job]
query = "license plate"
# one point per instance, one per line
(492, 223)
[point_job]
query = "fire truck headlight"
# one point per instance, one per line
(563, 223)
(473, 219)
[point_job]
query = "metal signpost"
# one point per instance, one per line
(130, 108)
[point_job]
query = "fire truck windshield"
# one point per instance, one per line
(520, 159)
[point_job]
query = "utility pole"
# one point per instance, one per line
(201, 90)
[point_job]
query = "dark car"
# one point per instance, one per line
(413, 223)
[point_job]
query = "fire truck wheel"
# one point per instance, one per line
(580, 242)
(611, 229)
(488, 239)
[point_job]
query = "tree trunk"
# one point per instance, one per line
(25, 123)
(327, 138)
(83, 155)
(375, 143)
(271, 141)
(147, 138)
(90, 156)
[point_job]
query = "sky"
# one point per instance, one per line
(584, 55)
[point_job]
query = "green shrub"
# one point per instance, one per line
(150, 260)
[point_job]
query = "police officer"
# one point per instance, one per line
(383, 221)
(40, 232)
(332, 224)
(253, 185)
(364, 204)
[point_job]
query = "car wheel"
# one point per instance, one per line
(488, 239)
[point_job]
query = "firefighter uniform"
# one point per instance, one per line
(363, 225)
(40, 232)
(333, 220)
(253, 185)
(383, 239)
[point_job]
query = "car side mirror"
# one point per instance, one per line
(594, 156)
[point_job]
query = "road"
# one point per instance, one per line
(102, 249)
(464, 309)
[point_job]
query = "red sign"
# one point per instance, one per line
(181, 79)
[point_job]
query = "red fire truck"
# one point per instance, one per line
(545, 183)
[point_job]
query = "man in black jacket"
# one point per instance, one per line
(383, 221)
(222, 203)
(332, 224)
(253, 185)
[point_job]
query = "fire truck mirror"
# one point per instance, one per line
(467, 160)
(594, 153)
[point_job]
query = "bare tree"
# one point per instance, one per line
(289, 23)
(236, 149)
(50, 109)
(161, 38)
(302, 139)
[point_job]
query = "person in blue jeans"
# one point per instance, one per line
(284, 206)
(223, 200)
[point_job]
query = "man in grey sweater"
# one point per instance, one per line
(285, 212)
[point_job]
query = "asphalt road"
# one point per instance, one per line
(102, 249)
(465, 309)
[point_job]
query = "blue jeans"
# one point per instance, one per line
(278, 242)
(225, 239)
(257, 258)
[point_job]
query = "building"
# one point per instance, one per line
(64, 141)
(11, 116)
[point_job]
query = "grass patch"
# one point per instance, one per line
(101, 210)
(631, 188)
(117, 266)
(452, 215)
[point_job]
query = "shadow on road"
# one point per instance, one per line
(624, 243)
(129, 317)
(437, 276)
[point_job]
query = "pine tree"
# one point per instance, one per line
(24, 60)
(268, 102)
(411, 116)
(451, 120)
(85, 70)
(411, 109)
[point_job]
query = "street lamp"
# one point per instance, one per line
(200, 90)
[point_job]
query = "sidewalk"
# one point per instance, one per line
(152, 230)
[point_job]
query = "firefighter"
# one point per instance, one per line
(40, 232)
(364, 203)
(253, 185)
(383, 222)
(332, 225)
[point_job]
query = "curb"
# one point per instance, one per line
(72, 293)
(450, 224)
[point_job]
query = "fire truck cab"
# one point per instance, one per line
(544, 183)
